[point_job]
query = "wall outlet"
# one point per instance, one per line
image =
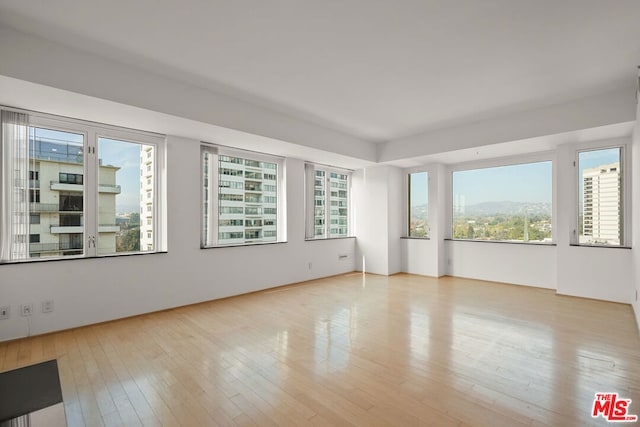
(47, 306)
(26, 309)
(5, 312)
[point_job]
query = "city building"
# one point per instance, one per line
(602, 205)
(247, 200)
(56, 199)
(337, 211)
(147, 184)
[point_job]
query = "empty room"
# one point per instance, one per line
(365, 213)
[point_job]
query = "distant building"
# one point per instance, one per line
(601, 206)
(147, 180)
(337, 184)
(56, 200)
(247, 200)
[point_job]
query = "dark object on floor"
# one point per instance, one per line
(28, 389)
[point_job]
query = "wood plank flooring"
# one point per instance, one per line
(350, 350)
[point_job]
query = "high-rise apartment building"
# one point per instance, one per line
(338, 209)
(602, 205)
(147, 179)
(247, 203)
(56, 199)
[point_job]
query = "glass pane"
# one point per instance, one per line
(319, 204)
(507, 203)
(247, 201)
(419, 204)
(600, 197)
(56, 204)
(339, 205)
(126, 196)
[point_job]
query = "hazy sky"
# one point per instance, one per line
(125, 155)
(419, 184)
(530, 182)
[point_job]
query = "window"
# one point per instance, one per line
(328, 202)
(506, 203)
(241, 197)
(418, 204)
(90, 203)
(601, 197)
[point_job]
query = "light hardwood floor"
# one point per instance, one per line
(353, 349)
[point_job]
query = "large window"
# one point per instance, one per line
(507, 203)
(328, 194)
(600, 197)
(242, 197)
(72, 188)
(418, 204)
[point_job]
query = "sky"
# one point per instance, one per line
(529, 183)
(419, 190)
(125, 155)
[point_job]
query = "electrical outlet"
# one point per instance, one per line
(47, 306)
(5, 312)
(26, 309)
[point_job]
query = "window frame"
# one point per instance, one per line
(625, 162)
(309, 176)
(91, 132)
(213, 186)
(407, 201)
(544, 156)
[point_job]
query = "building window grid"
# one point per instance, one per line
(601, 189)
(247, 199)
(330, 202)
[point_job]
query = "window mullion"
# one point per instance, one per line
(90, 195)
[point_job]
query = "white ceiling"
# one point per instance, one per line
(378, 70)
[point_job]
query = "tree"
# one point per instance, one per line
(134, 220)
(129, 241)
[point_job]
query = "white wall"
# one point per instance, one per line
(531, 265)
(377, 202)
(600, 273)
(427, 256)
(94, 290)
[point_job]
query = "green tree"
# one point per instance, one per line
(129, 241)
(134, 220)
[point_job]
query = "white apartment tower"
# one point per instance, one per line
(147, 211)
(602, 205)
(56, 199)
(247, 200)
(337, 211)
